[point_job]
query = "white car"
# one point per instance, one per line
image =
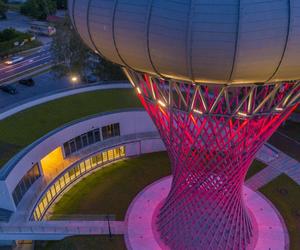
(13, 60)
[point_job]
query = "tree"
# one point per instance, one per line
(109, 71)
(3, 9)
(39, 9)
(61, 4)
(73, 57)
(8, 34)
(70, 54)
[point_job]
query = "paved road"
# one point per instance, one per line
(38, 58)
(44, 84)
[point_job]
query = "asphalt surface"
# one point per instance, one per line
(44, 84)
(15, 20)
(22, 23)
(39, 58)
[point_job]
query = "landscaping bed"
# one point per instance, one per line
(13, 41)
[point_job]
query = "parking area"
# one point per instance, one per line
(15, 20)
(44, 84)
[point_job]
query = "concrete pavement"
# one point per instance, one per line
(141, 234)
(45, 84)
(15, 20)
(58, 230)
(283, 164)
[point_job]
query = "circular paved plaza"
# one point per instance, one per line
(141, 234)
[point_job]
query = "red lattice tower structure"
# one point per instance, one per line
(212, 134)
(202, 61)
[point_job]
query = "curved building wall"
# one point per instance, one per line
(196, 40)
(129, 123)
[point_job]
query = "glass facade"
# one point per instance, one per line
(74, 173)
(91, 137)
(25, 183)
(81, 141)
(111, 130)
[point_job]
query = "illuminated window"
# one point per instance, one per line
(67, 178)
(57, 186)
(122, 151)
(41, 207)
(94, 161)
(53, 191)
(62, 182)
(77, 170)
(88, 164)
(49, 196)
(110, 155)
(72, 174)
(52, 160)
(99, 158)
(82, 167)
(45, 201)
(117, 153)
(104, 156)
(37, 214)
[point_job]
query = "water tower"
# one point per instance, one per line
(217, 78)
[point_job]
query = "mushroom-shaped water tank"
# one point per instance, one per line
(212, 41)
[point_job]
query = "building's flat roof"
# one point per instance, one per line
(22, 129)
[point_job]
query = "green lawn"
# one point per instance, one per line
(291, 129)
(255, 168)
(280, 139)
(285, 195)
(285, 145)
(111, 190)
(23, 128)
(84, 243)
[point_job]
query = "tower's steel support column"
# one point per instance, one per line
(212, 133)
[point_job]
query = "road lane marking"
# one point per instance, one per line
(26, 69)
(24, 61)
(27, 63)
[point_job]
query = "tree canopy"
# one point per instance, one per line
(73, 57)
(61, 4)
(39, 9)
(3, 9)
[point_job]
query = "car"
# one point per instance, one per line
(27, 82)
(92, 79)
(9, 89)
(13, 60)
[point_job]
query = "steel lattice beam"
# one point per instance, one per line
(212, 134)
